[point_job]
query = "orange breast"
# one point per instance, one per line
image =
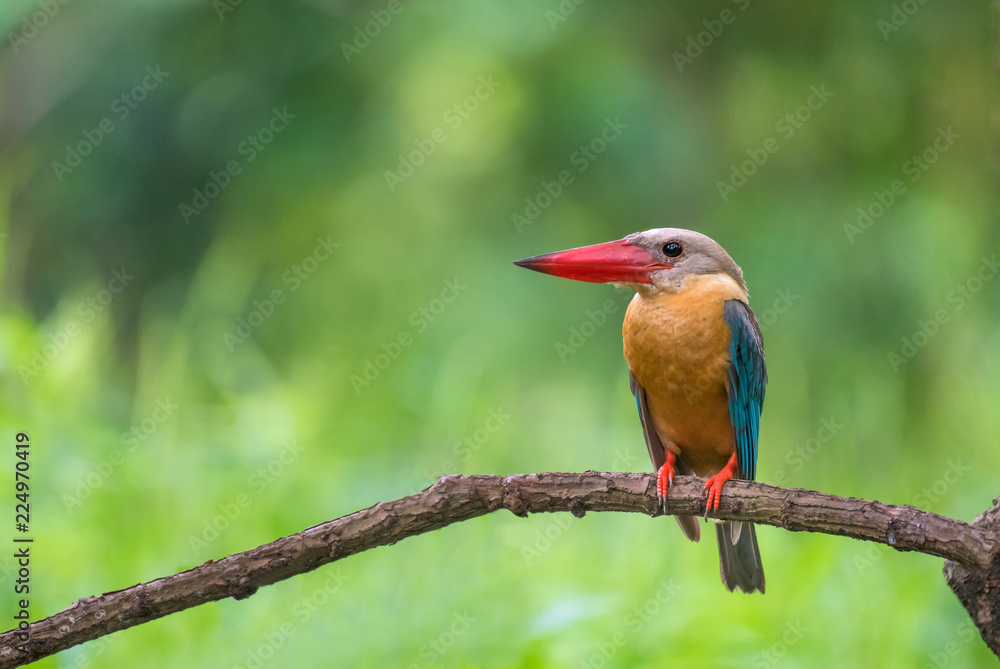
(677, 346)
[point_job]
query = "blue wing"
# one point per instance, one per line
(747, 378)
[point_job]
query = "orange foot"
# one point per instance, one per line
(714, 484)
(664, 477)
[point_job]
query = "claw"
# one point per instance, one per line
(664, 477)
(714, 485)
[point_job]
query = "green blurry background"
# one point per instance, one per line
(183, 418)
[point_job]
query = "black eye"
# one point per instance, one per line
(673, 249)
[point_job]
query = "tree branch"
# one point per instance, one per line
(456, 498)
(977, 588)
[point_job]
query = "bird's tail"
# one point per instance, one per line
(739, 557)
(689, 524)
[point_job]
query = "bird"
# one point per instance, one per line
(695, 356)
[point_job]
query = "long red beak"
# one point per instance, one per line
(611, 262)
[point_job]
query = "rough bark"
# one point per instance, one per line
(971, 548)
(979, 589)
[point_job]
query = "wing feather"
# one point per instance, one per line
(656, 451)
(746, 383)
(658, 454)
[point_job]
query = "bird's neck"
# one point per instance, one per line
(716, 283)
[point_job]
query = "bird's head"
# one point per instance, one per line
(653, 261)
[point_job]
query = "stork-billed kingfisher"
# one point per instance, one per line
(696, 367)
